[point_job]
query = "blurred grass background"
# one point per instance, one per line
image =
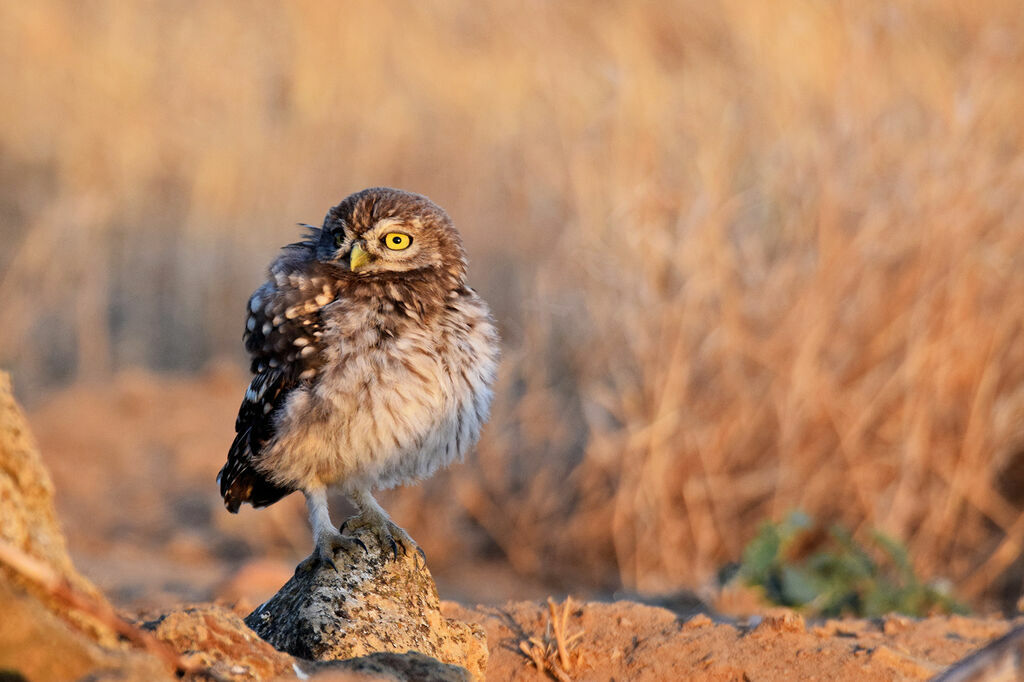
(746, 258)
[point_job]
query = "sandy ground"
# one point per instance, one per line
(133, 463)
(625, 640)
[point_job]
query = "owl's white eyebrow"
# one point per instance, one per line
(386, 223)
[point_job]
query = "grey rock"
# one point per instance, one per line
(373, 602)
(1000, 660)
(408, 667)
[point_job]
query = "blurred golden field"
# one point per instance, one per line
(746, 258)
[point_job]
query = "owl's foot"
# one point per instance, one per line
(328, 548)
(388, 534)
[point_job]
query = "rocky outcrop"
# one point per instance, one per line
(373, 602)
(37, 643)
(215, 639)
(42, 636)
(28, 519)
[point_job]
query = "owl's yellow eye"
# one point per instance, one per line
(397, 241)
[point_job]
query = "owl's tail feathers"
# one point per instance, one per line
(241, 482)
(248, 486)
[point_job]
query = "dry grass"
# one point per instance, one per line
(746, 258)
(550, 653)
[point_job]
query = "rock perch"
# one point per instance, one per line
(371, 603)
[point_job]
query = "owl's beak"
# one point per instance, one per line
(358, 258)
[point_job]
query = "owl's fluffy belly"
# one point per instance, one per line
(379, 418)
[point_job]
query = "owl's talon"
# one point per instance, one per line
(314, 561)
(387, 532)
(329, 547)
(307, 564)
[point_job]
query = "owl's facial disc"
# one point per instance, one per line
(395, 245)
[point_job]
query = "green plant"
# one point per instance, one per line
(831, 573)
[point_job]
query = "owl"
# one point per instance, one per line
(373, 363)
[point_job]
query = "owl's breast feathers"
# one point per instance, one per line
(283, 332)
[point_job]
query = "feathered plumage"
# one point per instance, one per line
(372, 361)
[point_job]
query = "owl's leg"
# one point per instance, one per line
(328, 542)
(373, 517)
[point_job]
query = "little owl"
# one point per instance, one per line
(373, 362)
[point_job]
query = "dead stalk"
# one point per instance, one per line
(551, 653)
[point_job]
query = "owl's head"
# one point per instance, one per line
(379, 231)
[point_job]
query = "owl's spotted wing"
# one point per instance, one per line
(282, 335)
(240, 480)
